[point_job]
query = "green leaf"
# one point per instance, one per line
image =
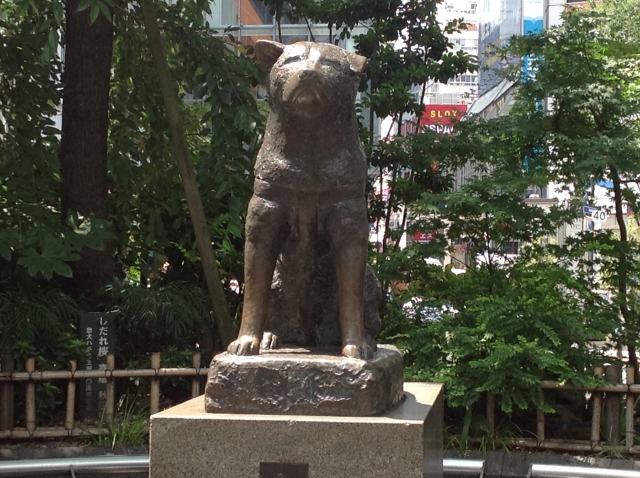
(36, 264)
(53, 37)
(62, 269)
(10, 240)
(105, 11)
(58, 12)
(226, 245)
(94, 12)
(84, 4)
(5, 250)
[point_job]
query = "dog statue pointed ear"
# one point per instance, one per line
(267, 53)
(356, 62)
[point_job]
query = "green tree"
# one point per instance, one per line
(504, 323)
(33, 239)
(621, 18)
(146, 207)
(497, 323)
(223, 127)
(590, 77)
(37, 242)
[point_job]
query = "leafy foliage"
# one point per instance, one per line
(129, 428)
(223, 126)
(32, 236)
(502, 331)
(148, 214)
(509, 322)
(501, 327)
(148, 319)
(33, 314)
(590, 74)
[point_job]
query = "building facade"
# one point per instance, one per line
(463, 89)
(497, 22)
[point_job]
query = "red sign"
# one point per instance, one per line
(422, 236)
(441, 118)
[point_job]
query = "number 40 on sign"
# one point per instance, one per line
(596, 214)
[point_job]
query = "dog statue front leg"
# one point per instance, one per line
(348, 228)
(266, 230)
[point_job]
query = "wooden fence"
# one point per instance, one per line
(8, 379)
(605, 403)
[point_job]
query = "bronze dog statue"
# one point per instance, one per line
(309, 186)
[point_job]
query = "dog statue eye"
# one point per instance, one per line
(291, 59)
(332, 63)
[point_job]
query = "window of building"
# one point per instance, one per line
(536, 192)
(510, 247)
(465, 80)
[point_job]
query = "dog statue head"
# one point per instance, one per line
(309, 80)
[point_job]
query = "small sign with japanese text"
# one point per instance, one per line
(97, 330)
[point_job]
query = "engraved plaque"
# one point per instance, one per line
(284, 470)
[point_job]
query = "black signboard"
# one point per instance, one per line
(97, 330)
(284, 470)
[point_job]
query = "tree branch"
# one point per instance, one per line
(187, 174)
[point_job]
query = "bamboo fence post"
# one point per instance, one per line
(6, 395)
(629, 409)
(195, 382)
(154, 396)
(613, 373)
(491, 413)
(110, 397)
(71, 396)
(596, 417)
(540, 417)
(30, 397)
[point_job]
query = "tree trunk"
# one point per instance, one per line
(224, 323)
(631, 326)
(83, 150)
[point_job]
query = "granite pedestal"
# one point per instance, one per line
(406, 442)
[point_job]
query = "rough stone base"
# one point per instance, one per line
(304, 383)
(187, 442)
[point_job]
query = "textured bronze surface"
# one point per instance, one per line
(284, 470)
(287, 319)
(305, 382)
(308, 212)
